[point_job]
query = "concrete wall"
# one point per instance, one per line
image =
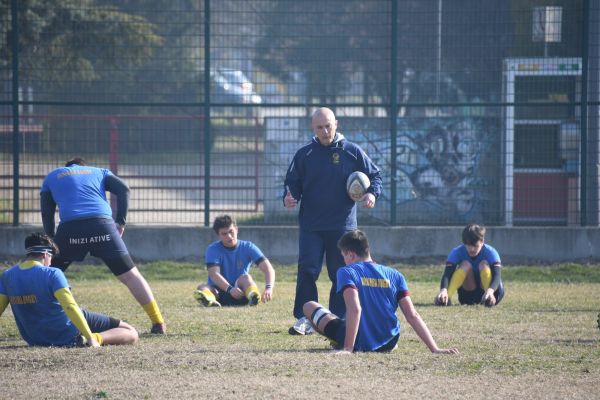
(398, 244)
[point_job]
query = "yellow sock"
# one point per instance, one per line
(98, 338)
(251, 289)
(458, 278)
(210, 296)
(153, 312)
(486, 277)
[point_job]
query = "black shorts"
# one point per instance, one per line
(335, 331)
(96, 236)
(471, 297)
(227, 300)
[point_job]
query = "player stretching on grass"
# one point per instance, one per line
(44, 309)
(472, 269)
(86, 226)
(372, 293)
(228, 261)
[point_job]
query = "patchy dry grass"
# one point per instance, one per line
(542, 342)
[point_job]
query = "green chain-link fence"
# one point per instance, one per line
(475, 110)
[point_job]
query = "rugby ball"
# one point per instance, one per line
(357, 185)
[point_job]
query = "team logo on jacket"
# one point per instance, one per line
(335, 157)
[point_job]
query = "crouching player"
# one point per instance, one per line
(372, 293)
(228, 261)
(472, 269)
(44, 308)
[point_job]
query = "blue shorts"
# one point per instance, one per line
(97, 236)
(99, 322)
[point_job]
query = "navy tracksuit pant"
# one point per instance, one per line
(314, 246)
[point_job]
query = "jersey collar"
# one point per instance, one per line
(30, 264)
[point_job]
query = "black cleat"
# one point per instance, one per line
(159, 329)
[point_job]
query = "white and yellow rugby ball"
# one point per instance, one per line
(357, 185)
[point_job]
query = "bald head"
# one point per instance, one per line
(324, 125)
(323, 111)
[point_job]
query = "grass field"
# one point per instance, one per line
(542, 342)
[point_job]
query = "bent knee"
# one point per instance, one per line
(465, 266)
(484, 265)
(309, 307)
(130, 332)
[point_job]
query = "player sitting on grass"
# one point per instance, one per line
(228, 261)
(372, 293)
(472, 269)
(44, 308)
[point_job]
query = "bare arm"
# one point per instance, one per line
(353, 312)
(214, 272)
(417, 323)
(266, 267)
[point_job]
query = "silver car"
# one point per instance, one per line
(232, 86)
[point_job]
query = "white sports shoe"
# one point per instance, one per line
(302, 327)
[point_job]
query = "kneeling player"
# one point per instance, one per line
(228, 261)
(372, 293)
(44, 308)
(472, 269)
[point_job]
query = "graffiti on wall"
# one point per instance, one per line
(446, 169)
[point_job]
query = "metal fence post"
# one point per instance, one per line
(207, 133)
(15, 107)
(393, 111)
(584, 112)
(590, 114)
(113, 156)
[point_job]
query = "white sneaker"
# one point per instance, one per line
(302, 327)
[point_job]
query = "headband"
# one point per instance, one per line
(40, 249)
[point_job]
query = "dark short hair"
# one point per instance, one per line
(223, 221)
(75, 161)
(473, 233)
(355, 241)
(39, 243)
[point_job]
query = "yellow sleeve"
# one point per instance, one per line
(3, 303)
(66, 300)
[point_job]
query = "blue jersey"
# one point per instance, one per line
(79, 191)
(317, 178)
(233, 262)
(39, 316)
(379, 289)
(460, 254)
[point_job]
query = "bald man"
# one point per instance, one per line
(316, 178)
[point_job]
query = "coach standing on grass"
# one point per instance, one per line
(317, 178)
(86, 225)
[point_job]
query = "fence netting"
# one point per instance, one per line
(475, 110)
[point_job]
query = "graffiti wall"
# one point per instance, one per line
(448, 169)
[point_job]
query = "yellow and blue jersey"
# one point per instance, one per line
(379, 290)
(39, 316)
(233, 262)
(79, 191)
(460, 254)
